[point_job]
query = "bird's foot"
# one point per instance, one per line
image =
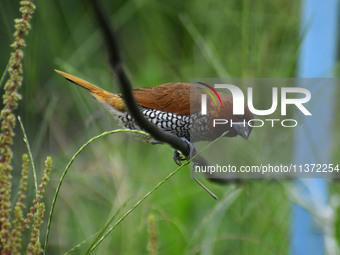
(179, 157)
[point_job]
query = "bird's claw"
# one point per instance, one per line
(178, 157)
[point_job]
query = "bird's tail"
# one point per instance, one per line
(102, 95)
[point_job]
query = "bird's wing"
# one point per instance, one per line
(179, 98)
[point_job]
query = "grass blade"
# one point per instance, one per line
(30, 155)
(68, 167)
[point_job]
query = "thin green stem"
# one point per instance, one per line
(2, 80)
(94, 245)
(69, 165)
(30, 155)
(98, 241)
(98, 233)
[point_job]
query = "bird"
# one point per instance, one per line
(176, 108)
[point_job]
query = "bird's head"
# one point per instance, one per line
(240, 125)
(235, 124)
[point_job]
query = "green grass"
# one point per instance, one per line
(160, 42)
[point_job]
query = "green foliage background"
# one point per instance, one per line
(161, 41)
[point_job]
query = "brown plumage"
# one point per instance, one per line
(169, 97)
(173, 107)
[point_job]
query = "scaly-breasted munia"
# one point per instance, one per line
(175, 108)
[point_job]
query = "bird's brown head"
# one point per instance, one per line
(222, 119)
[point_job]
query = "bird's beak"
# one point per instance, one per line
(242, 130)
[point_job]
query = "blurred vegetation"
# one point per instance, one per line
(161, 41)
(20, 222)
